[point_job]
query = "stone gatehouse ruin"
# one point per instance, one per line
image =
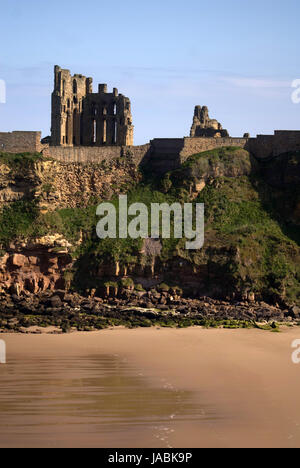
(81, 117)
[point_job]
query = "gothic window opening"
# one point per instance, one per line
(115, 132)
(74, 87)
(104, 132)
(94, 131)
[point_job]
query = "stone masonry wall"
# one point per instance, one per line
(96, 155)
(20, 142)
(161, 155)
(285, 141)
(197, 145)
(262, 146)
(266, 146)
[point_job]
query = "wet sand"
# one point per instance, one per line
(151, 388)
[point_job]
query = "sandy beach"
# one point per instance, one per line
(187, 388)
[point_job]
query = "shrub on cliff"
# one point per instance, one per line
(17, 220)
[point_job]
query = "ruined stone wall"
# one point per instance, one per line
(162, 155)
(198, 145)
(285, 141)
(82, 154)
(165, 154)
(262, 146)
(266, 146)
(20, 142)
(96, 155)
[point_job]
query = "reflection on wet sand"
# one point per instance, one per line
(98, 400)
(151, 388)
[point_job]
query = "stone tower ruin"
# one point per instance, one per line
(81, 117)
(203, 126)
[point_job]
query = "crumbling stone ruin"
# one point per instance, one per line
(96, 128)
(83, 118)
(203, 126)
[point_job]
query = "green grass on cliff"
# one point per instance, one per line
(17, 220)
(264, 259)
(11, 159)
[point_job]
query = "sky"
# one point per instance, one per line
(237, 57)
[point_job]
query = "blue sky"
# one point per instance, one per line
(238, 57)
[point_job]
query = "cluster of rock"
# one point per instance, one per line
(35, 265)
(66, 311)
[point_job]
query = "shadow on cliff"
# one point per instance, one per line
(278, 185)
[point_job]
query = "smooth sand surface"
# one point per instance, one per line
(244, 378)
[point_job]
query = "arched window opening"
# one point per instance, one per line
(115, 109)
(68, 103)
(115, 133)
(104, 132)
(94, 131)
(64, 88)
(74, 86)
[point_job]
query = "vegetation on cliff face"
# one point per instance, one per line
(22, 159)
(252, 228)
(252, 232)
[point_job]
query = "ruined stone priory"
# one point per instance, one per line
(92, 128)
(203, 126)
(81, 117)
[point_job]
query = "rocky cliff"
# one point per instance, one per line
(56, 184)
(251, 251)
